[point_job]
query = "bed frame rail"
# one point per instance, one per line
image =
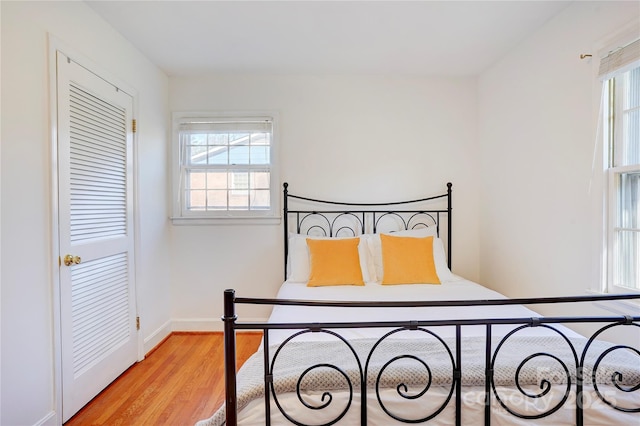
(575, 373)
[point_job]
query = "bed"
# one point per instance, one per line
(372, 327)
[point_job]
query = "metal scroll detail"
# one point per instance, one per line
(566, 366)
(617, 377)
(416, 390)
(344, 224)
(402, 388)
(349, 224)
(544, 384)
(327, 398)
(589, 366)
(393, 221)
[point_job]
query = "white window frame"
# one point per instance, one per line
(613, 171)
(183, 216)
(613, 176)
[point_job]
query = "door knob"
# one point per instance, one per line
(72, 260)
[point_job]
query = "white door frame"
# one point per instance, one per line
(54, 46)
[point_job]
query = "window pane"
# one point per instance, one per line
(628, 201)
(217, 179)
(196, 154)
(196, 200)
(217, 200)
(218, 155)
(632, 98)
(238, 200)
(218, 139)
(239, 180)
(239, 155)
(260, 180)
(260, 199)
(239, 138)
(631, 138)
(228, 190)
(196, 180)
(260, 154)
(628, 145)
(260, 139)
(197, 139)
(626, 270)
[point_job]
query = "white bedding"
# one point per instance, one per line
(460, 289)
(596, 412)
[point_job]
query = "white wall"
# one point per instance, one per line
(541, 204)
(367, 138)
(27, 373)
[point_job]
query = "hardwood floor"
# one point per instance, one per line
(178, 383)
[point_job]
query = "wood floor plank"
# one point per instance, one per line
(179, 383)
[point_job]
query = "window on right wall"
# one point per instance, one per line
(620, 71)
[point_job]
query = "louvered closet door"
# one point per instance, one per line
(98, 318)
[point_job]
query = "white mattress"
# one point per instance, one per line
(596, 412)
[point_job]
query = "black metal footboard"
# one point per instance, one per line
(584, 362)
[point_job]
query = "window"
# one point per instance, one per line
(225, 168)
(622, 133)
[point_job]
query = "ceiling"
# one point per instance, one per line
(186, 38)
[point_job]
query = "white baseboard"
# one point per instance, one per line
(196, 324)
(49, 420)
(156, 337)
(186, 324)
(204, 324)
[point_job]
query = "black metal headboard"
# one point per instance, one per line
(353, 219)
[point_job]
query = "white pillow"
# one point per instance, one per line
(439, 258)
(298, 264)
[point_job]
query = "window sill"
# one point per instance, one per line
(224, 221)
(623, 307)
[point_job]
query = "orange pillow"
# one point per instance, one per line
(408, 260)
(334, 262)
